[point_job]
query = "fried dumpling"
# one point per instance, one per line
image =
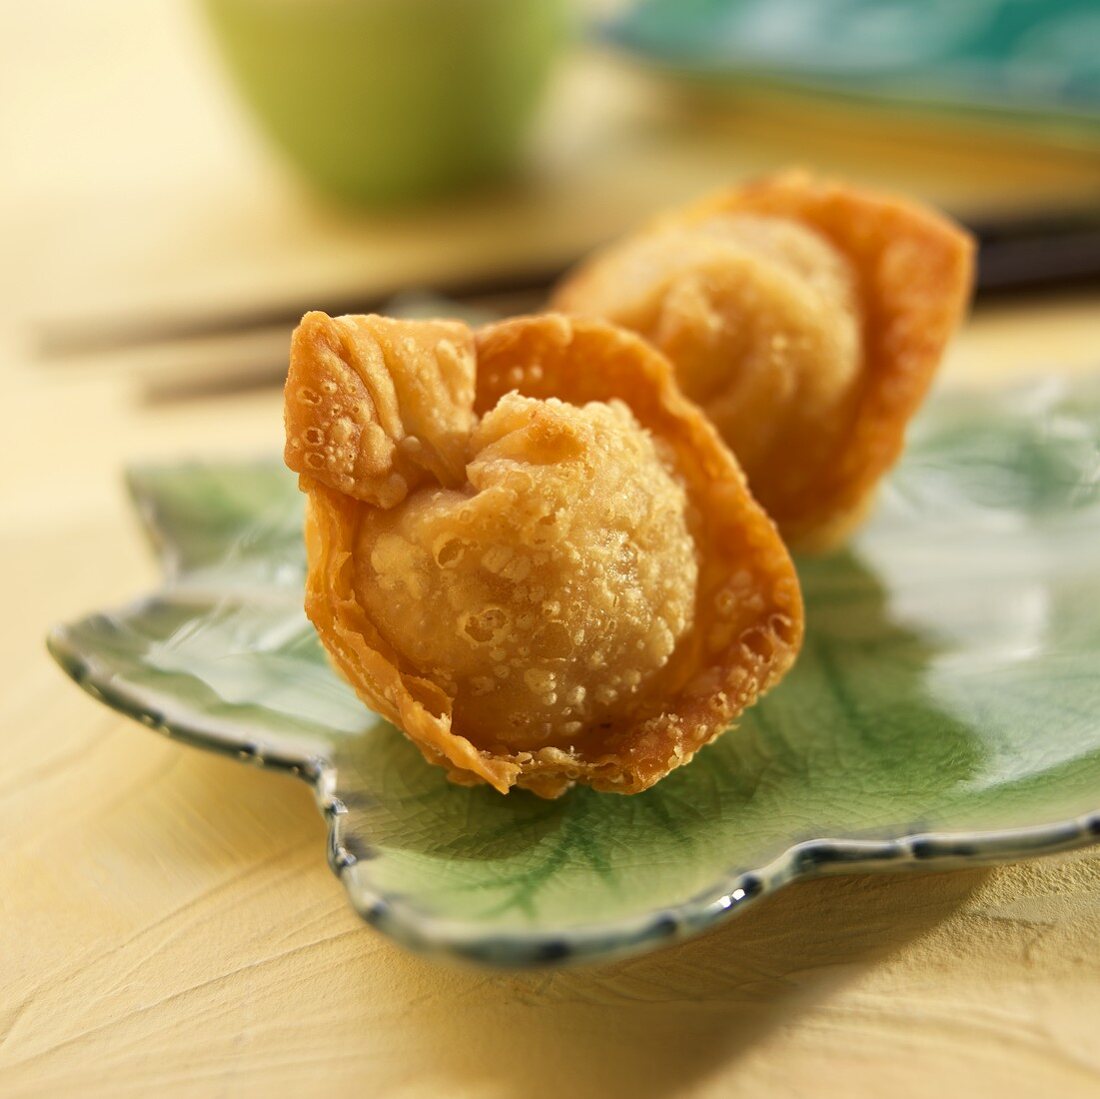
(528, 550)
(806, 318)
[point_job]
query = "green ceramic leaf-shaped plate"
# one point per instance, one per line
(946, 706)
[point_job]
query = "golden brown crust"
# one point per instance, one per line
(912, 271)
(747, 624)
(368, 431)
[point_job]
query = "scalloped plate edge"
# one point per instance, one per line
(429, 934)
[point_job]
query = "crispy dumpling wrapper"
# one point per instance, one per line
(528, 550)
(806, 318)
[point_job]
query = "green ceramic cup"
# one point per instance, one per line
(378, 101)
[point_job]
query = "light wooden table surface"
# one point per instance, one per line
(168, 924)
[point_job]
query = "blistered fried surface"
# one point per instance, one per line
(595, 599)
(544, 596)
(366, 429)
(806, 318)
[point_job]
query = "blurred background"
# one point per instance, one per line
(183, 178)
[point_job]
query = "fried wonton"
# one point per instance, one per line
(806, 318)
(528, 550)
